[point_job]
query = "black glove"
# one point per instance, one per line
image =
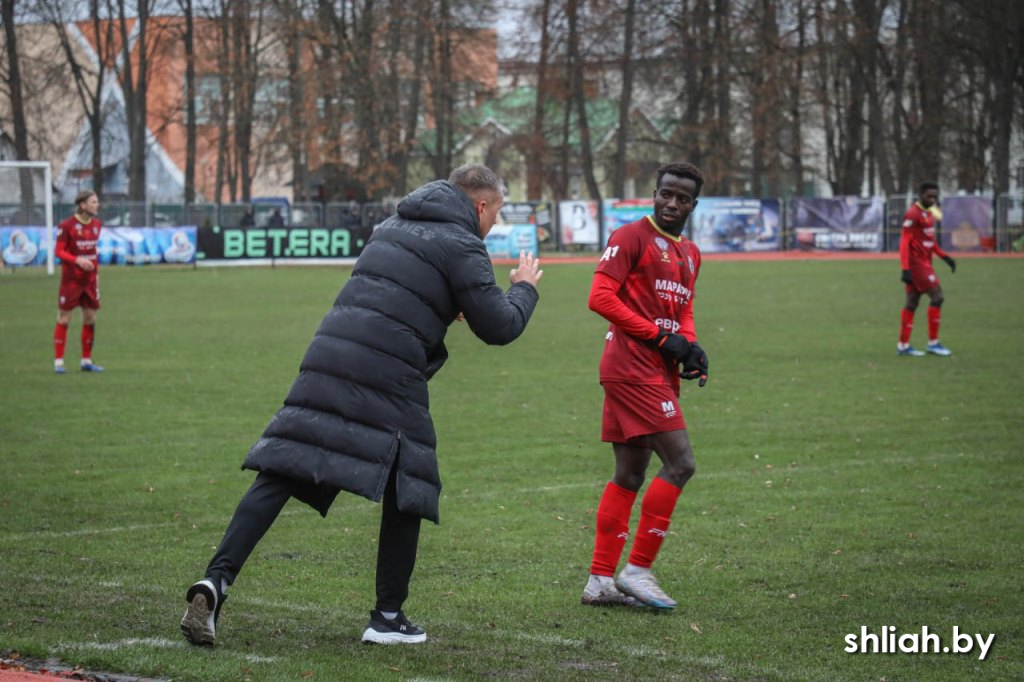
(950, 262)
(906, 278)
(672, 346)
(695, 366)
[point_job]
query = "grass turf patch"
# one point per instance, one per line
(838, 485)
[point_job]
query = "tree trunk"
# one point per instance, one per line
(536, 152)
(576, 64)
(17, 101)
(190, 104)
(625, 100)
(134, 85)
(444, 105)
(297, 123)
(723, 147)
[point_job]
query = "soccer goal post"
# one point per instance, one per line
(26, 188)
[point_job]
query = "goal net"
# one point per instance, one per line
(26, 214)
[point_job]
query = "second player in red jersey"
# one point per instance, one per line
(77, 248)
(644, 286)
(918, 242)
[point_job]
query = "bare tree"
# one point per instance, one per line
(89, 79)
(625, 101)
(537, 147)
(133, 76)
(576, 66)
(17, 99)
(190, 101)
(994, 34)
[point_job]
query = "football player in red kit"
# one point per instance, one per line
(917, 244)
(77, 239)
(644, 287)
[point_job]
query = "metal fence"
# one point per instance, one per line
(1007, 232)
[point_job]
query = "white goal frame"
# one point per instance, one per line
(47, 201)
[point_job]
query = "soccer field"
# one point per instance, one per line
(838, 486)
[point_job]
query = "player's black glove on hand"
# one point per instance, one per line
(906, 278)
(696, 365)
(672, 346)
(950, 262)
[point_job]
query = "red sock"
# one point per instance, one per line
(934, 316)
(88, 334)
(906, 325)
(612, 528)
(60, 336)
(655, 516)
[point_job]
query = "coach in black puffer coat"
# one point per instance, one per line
(359, 405)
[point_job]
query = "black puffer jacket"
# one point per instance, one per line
(360, 401)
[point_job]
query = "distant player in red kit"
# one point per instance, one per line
(644, 287)
(77, 239)
(917, 244)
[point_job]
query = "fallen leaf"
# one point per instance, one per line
(695, 628)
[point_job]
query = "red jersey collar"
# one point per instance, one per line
(658, 228)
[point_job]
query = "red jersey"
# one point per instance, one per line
(78, 239)
(917, 243)
(657, 273)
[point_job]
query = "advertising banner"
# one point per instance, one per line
(577, 223)
(23, 245)
(619, 212)
(837, 223)
(506, 241)
(143, 245)
(117, 245)
(236, 244)
(966, 224)
(536, 213)
(725, 224)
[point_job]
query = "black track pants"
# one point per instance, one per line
(259, 507)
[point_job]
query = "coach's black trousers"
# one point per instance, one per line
(396, 546)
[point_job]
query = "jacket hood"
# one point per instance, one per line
(440, 202)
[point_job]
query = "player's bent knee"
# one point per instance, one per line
(628, 481)
(680, 473)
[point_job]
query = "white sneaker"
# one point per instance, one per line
(199, 625)
(601, 591)
(398, 630)
(641, 585)
(938, 349)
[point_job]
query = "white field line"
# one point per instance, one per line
(779, 470)
(154, 643)
(504, 635)
(703, 474)
(141, 527)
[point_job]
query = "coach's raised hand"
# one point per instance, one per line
(528, 271)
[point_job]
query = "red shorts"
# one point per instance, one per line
(632, 410)
(924, 278)
(74, 293)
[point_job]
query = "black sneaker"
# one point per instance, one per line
(397, 631)
(199, 624)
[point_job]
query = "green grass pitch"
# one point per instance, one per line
(837, 485)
